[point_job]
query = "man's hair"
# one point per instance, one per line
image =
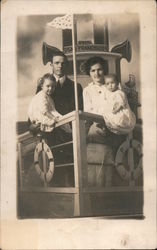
(60, 53)
(92, 61)
(114, 76)
(41, 80)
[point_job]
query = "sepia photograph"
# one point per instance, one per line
(79, 116)
(78, 125)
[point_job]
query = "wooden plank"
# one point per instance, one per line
(62, 144)
(80, 163)
(109, 170)
(77, 149)
(64, 165)
(96, 118)
(21, 163)
(29, 153)
(131, 160)
(29, 142)
(95, 163)
(28, 148)
(83, 153)
(70, 190)
(111, 189)
(24, 136)
(90, 117)
(75, 154)
(65, 119)
(76, 173)
(86, 202)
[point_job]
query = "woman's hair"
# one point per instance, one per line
(92, 61)
(112, 76)
(42, 79)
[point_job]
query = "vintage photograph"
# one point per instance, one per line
(79, 122)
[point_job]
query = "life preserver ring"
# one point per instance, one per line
(134, 173)
(46, 177)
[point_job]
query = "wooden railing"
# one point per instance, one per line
(26, 144)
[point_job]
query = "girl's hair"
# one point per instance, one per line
(112, 76)
(42, 79)
(92, 61)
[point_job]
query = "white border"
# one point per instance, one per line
(87, 233)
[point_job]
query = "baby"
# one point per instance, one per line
(116, 111)
(42, 108)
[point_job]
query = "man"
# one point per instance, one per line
(64, 99)
(63, 95)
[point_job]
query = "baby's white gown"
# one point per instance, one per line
(123, 121)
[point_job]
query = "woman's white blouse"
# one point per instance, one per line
(98, 100)
(93, 98)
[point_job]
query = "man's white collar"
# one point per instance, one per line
(60, 79)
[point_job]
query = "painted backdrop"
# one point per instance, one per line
(32, 32)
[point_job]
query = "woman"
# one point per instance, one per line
(93, 93)
(93, 97)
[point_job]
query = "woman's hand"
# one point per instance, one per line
(116, 108)
(101, 129)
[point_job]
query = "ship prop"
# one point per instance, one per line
(84, 181)
(124, 49)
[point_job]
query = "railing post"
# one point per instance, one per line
(44, 162)
(20, 164)
(20, 176)
(79, 149)
(131, 160)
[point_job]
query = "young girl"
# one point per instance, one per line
(116, 111)
(42, 108)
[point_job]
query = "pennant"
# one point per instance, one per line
(64, 22)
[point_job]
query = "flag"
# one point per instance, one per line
(67, 22)
(64, 22)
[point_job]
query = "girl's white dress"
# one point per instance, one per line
(122, 121)
(42, 111)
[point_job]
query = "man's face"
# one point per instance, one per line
(59, 66)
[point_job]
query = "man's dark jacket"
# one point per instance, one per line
(64, 97)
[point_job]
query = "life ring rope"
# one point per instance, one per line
(133, 173)
(44, 176)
